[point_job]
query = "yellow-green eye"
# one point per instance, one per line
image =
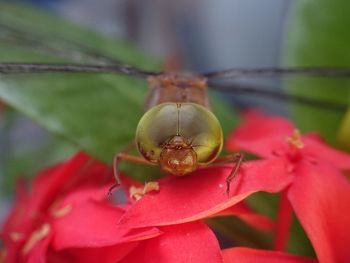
(196, 124)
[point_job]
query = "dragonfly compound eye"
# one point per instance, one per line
(179, 136)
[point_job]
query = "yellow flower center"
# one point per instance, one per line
(137, 193)
(295, 140)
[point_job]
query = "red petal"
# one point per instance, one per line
(260, 135)
(44, 190)
(17, 224)
(246, 214)
(15, 219)
(283, 222)
(324, 153)
(203, 193)
(320, 197)
(192, 242)
(92, 224)
(39, 251)
(51, 181)
(85, 193)
(109, 254)
(248, 255)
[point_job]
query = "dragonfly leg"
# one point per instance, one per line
(236, 158)
(127, 157)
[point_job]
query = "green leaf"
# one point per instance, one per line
(96, 113)
(318, 35)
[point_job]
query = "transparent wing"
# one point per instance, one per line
(60, 48)
(238, 88)
(268, 72)
(99, 62)
(67, 51)
(262, 91)
(41, 43)
(120, 68)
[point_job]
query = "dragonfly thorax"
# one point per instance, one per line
(179, 136)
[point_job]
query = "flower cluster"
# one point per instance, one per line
(67, 216)
(317, 191)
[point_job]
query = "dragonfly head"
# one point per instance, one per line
(178, 157)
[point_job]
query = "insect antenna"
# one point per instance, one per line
(246, 89)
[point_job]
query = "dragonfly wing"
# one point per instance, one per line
(53, 40)
(87, 109)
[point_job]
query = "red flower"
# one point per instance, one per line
(203, 194)
(182, 202)
(66, 217)
(318, 192)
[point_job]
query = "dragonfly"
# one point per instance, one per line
(178, 131)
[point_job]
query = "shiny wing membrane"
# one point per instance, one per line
(62, 55)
